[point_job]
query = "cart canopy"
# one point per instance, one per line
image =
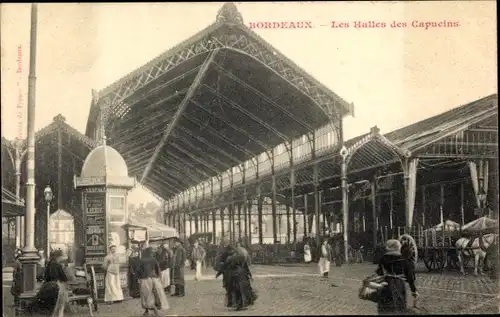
(449, 225)
(481, 224)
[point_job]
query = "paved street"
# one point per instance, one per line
(297, 290)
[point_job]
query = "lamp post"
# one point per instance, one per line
(48, 198)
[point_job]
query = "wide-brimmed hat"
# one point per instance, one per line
(393, 245)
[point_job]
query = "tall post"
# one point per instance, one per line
(305, 215)
(259, 215)
(238, 223)
(441, 205)
(288, 228)
(30, 256)
(462, 194)
(273, 208)
(391, 203)
(17, 165)
(374, 211)
(48, 229)
(59, 169)
(214, 231)
(345, 203)
(424, 207)
(316, 202)
(294, 209)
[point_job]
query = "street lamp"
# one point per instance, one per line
(48, 198)
(482, 197)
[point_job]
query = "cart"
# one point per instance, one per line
(437, 246)
(83, 290)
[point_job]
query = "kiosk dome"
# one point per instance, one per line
(104, 161)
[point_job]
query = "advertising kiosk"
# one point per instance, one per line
(104, 184)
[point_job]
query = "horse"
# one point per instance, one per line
(477, 247)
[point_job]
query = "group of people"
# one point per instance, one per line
(232, 262)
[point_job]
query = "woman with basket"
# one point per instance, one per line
(388, 287)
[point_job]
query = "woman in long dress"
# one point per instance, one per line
(153, 297)
(325, 257)
(165, 261)
(307, 253)
(112, 287)
(397, 272)
(53, 295)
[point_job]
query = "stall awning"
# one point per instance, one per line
(156, 231)
(449, 225)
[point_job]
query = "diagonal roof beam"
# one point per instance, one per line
(212, 146)
(196, 83)
(184, 162)
(177, 136)
(233, 126)
(261, 95)
(165, 184)
(207, 165)
(248, 114)
(220, 135)
(186, 172)
(154, 105)
(179, 182)
(159, 188)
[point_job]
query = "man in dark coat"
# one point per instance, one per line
(179, 260)
(223, 253)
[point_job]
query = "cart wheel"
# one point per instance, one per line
(406, 238)
(453, 263)
(93, 286)
(434, 260)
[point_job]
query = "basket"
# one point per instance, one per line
(371, 287)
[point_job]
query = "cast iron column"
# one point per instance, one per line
(29, 256)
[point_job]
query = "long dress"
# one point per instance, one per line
(53, 295)
(324, 260)
(165, 261)
(179, 260)
(307, 253)
(221, 269)
(396, 269)
(112, 287)
(241, 290)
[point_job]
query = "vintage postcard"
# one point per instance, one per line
(249, 158)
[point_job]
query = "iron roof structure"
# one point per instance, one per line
(74, 148)
(216, 100)
(469, 131)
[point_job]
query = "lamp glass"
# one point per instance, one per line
(48, 194)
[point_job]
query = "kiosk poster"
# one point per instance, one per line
(95, 227)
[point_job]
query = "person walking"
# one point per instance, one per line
(112, 287)
(223, 253)
(179, 261)
(325, 258)
(198, 257)
(153, 296)
(397, 271)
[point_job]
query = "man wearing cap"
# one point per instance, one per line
(179, 260)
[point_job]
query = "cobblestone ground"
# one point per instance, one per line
(297, 290)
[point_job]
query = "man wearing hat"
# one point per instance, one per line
(179, 260)
(220, 263)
